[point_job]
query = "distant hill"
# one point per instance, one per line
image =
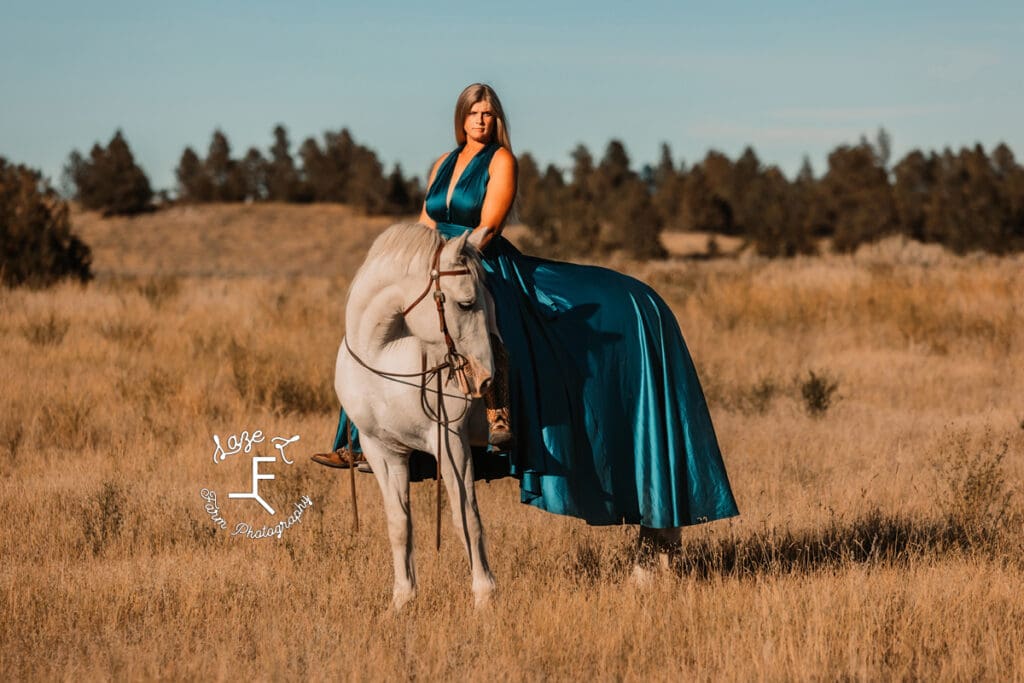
(231, 240)
(235, 239)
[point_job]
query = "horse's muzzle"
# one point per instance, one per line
(472, 376)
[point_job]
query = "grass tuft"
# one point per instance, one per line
(49, 331)
(159, 290)
(103, 517)
(818, 391)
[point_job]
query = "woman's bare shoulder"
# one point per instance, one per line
(433, 168)
(503, 159)
(504, 155)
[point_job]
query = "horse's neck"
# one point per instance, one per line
(371, 317)
(375, 326)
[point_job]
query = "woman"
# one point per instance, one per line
(609, 418)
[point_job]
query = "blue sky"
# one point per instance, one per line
(788, 78)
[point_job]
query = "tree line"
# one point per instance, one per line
(338, 169)
(965, 200)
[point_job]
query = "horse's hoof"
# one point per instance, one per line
(642, 577)
(484, 593)
(401, 599)
(483, 600)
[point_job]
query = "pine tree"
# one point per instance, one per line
(669, 188)
(628, 219)
(613, 170)
(220, 169)
(547, 213)
(806, 172)
(366, 188)
(579, 220)
(251, 176)
(883, 149)
(530, 205)
(314, 171)
(781, 228)
(742, 193)
(638, 222)
(397, 197)
(718, 172)
(110, 181)
(915, 182)
(857, 195)
(193, 184)
(1011, 179)
(702, 209)
(339, 153)
(79, 180)
(967, 208)
(282, 178)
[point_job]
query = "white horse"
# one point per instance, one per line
(394, 331)
(393, 327)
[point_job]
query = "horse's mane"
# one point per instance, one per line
(404, 249)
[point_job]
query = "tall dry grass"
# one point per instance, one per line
(879, 536)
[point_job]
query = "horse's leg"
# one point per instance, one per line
(655, 550)
(457, 472)
(392, 472)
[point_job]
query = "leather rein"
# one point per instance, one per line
(453, 361)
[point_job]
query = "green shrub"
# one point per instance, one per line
(974, 492)
(37, 247)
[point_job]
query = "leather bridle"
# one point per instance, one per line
(453, 360)
(435, 280)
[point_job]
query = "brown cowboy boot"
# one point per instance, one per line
(342, 458)
(496, 398)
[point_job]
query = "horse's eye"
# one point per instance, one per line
(467, 305)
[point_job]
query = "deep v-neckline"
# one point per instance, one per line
(453, 181)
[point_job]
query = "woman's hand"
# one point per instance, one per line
(481, 236)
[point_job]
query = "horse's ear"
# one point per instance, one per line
(455, 247)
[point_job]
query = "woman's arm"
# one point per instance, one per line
(501, 191)
(425, 219)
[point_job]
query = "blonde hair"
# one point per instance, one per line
(481, 92)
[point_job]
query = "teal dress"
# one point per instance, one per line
(610, 420)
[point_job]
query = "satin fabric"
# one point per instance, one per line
(610, 420)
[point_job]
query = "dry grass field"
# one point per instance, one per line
(880, 534)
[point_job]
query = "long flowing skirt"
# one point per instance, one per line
(610, 420)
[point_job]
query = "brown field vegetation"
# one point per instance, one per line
(870, 409)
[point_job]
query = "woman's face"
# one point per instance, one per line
(480, 122)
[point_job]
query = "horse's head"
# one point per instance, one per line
(467, 308)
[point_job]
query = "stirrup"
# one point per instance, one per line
(342, 459)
